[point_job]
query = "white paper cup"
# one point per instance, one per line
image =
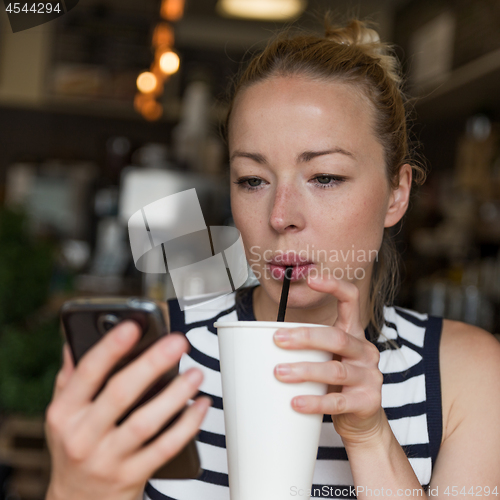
(271, 448)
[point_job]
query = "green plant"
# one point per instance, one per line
(29, 362)
(25, 268)
(30, 348)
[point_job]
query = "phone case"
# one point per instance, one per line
(86, 320)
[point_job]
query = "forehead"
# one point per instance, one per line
(301, 110)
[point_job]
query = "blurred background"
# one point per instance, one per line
(118, 100)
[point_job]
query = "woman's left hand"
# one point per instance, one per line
(355, 381)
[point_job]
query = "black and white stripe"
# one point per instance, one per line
(409, 350)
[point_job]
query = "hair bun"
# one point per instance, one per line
(369, 36)
(355, 33)
(358, 34)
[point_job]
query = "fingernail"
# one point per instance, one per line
(299, 402)
(281, 335)
(201, 404)
(170, 345)
(194, 376)
(283, 369)
(126, 331)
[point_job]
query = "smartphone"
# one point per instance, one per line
(86, 320)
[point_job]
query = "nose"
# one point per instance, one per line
(287, 210)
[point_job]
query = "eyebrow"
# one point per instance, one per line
(301, 158)
(309, 155)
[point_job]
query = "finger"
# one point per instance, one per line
(331, 339)
(147, 421)
(64, 373)
(171, 442)
(347, 295)
(90, 373)
(334, 403)
(331, 372)
(126, 386)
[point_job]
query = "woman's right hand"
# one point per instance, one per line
(91, 456)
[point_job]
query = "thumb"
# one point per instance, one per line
(65, 372)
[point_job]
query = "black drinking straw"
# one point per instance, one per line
(284, 293)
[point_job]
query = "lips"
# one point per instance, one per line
(301, 266)
(289, 259)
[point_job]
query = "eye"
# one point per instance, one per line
(249, 183)
(324, 181)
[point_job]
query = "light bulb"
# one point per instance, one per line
(169, 62)
(261, 9)
(163, 36)
(152, 110)
(172, 10)
(146, 82)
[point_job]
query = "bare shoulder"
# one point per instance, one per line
(470, 389)
(470, 372)
(465, 346)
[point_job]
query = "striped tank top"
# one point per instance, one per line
(411, 398)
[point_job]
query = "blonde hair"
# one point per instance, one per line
(351, 54)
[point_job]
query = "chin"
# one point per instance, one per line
(300, 295)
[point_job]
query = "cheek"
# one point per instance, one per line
(358, 220)
(367, 220)
(245, 216)
(248, 220)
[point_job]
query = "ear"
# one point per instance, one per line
(399, 198)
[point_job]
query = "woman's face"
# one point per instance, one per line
(308, 183)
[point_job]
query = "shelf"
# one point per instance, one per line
(107, 108)
(95, 107)
(470, 88)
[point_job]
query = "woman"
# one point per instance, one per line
(320, 170)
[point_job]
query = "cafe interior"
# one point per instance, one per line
(118, 103)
